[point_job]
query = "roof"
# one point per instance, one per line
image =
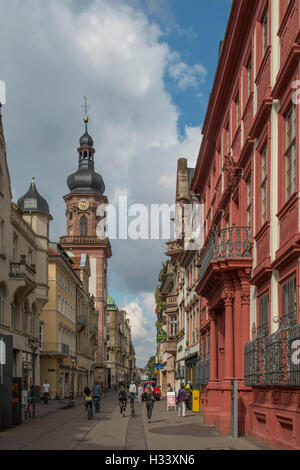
(32, 201)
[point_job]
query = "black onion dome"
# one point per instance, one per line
(32, 201)
(86, 140)
(86, 180)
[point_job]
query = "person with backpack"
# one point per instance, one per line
(149, 396)
(122, 400)
(189, 395)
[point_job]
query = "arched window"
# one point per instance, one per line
(1, 304)
(83, 225)
(85, 155)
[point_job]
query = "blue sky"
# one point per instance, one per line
(194, 28)
(147, 68)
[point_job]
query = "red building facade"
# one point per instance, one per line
(247, 175)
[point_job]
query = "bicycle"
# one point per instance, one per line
(123, 407)
(96, 401)
(89, 410)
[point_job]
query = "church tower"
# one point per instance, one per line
(86, 195)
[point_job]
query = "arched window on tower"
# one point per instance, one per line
(83, 225)
(85, 155)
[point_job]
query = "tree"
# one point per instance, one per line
(150, 366)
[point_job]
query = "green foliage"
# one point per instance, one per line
(150, 366)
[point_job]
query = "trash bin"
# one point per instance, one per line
(196, 401)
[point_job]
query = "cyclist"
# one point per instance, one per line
(122, 400)
(96, 396)
(132, 393)
(88, 401)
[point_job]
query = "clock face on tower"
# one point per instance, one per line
(83, 205)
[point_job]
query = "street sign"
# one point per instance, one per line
(161, 336)
(159, 366)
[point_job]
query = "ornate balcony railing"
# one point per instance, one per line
(271, 360)
(56, 349)
(81, 321)
(232, 242)
(22, 271)
(82, 240)
(204, 372)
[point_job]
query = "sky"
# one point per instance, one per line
(147, 69)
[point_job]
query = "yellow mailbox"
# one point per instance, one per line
(196, 401)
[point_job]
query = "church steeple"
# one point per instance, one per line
(86, 180)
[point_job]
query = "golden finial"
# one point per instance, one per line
(85, 119)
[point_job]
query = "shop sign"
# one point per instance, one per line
(161, 336)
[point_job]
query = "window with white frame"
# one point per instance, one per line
(264, 183)
(265, 32)
(249, 76)
(263, 315)
(249, 200)
(290, 152)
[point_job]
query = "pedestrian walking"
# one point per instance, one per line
(122, 400)
(149, 401)
(189, 394)
(181, 396)
(88, 401)
(46, 388)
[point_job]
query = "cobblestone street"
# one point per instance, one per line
(56, 429)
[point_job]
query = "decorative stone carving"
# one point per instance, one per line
(227, 297)
(245, 297)
(232, 173)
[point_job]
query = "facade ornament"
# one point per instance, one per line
(232, 173)
(245, 297)
(227, 297)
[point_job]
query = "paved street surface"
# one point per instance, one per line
(70, 429)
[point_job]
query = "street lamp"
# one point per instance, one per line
(34, 345)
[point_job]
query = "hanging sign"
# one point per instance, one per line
(161, 336)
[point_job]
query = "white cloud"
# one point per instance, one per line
(114, 55)
(187, 76)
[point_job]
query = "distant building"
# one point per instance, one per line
(68, 326)
(24, 239)
(86, 195)
(120, 352)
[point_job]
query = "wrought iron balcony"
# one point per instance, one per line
(81, 321)
(268, 359)
(170, 346)
(55, 350)
(22, 271)
(82, 240)
(228, 243)
(94, 330)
